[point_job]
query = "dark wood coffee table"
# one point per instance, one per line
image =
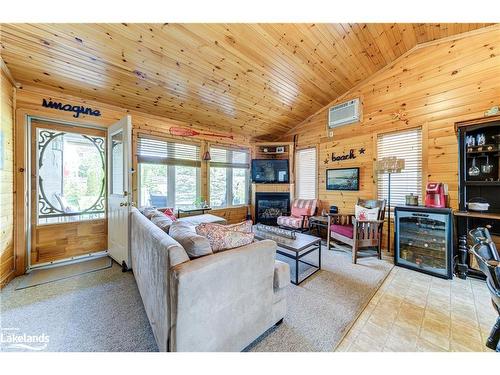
(295, 249)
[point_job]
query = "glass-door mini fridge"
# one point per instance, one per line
(423, 240)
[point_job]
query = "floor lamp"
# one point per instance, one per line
(389, 165)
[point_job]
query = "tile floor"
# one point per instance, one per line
(416, 312)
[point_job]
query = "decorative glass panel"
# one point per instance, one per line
(117, 182)
(71, 176)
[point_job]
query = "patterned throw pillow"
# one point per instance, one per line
(226, 237)
(363, 213)
(169, 212)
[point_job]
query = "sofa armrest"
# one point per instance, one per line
(216, 299)
(281, 274)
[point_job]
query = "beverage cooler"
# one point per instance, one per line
(423, 240)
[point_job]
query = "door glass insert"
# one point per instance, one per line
(71, 176)
(117, 178)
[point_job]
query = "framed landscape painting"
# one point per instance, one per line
(342, 179)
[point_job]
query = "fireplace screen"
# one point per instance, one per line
(269, 206)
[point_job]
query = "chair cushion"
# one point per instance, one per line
(222, 237)
(344, 230)
(290, 221)
(303, 207)
(195, 245)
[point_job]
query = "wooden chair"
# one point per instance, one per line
(358, 234)
(302, 210)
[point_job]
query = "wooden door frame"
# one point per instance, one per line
(22, 181)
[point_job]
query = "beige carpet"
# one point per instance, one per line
(103, 311)
(323, 308)
(47, 275)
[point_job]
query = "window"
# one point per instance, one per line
(229, 176)
(405, 145)
(70, 176)
(306, 174)
(169, 173)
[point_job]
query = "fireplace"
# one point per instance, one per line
(268, 206)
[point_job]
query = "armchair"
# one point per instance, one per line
(358, 234)
(302, 210)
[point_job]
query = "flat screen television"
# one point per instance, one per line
(270, 171)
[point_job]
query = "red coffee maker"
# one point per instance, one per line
(436, 194)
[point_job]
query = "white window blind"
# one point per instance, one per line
(405, 145)
(306, 174)
(229, 158)
(155, 151)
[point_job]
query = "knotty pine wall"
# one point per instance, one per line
(432, 87)
(29, 102)
(6, 180)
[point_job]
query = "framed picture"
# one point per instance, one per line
(342, 179)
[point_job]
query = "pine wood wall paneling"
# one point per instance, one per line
(253, 79)
(433, 86)
(7, 188)
(29, 100)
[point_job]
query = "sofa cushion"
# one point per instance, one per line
(151, 212)
(195, 245)
(222, 237)
(205, 218)
(344, 230)
(162, 222)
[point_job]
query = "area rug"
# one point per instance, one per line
(99, 311)
(323, 307)
(103, 311)
(59, 272)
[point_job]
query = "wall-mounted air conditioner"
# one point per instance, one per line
(343, 114)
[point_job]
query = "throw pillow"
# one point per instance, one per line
(162, 222)
(169, 212)
(154, 213)
(363, 213)
(222, 238)
(244, 226)
(195, 245)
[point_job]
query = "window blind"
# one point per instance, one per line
(155, 151)
(306, 174)
(229, 158)
(405, 145)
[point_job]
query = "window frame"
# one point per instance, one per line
(424, 135)
(296, 174)
(171, 178)
(229, 176)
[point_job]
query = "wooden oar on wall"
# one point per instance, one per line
(183, 132)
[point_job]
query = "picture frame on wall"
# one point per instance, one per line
(342, 179)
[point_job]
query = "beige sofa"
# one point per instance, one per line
(220, 302)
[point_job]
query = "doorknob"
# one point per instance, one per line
(123, 204)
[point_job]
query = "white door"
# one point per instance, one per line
(119, 190)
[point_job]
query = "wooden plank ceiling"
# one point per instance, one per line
(253, 79)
